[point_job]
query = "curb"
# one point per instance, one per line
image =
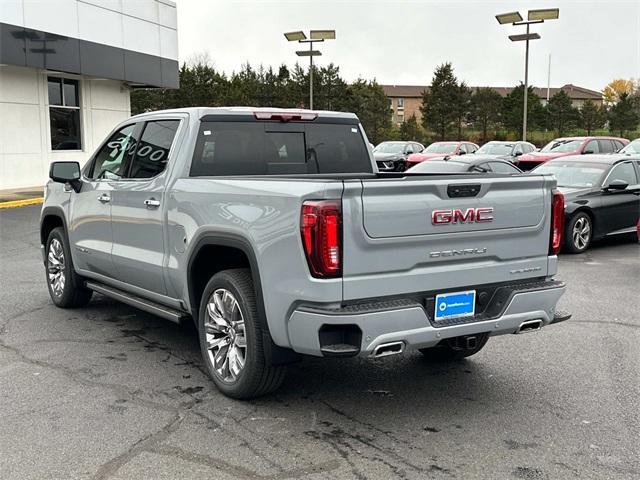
(21, 203)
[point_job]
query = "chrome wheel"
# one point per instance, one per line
(225, 335)
(55, 267)
(581, 233)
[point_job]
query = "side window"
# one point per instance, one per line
(113, 159)
(481, 168)
(591, 147)
(518, 148)
(417, 148)
(463, 147)
(500, 167)
(409, 148)
(471, 148)
(153, 149)
(528, 148)
(624, 172)
(606, 146)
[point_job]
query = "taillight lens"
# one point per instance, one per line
(321, 229)
(557, 223)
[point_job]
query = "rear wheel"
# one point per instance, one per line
(231, 337)
(456, 348)
(64, 284)
(579, 233)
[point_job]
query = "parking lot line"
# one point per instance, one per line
(21, 203)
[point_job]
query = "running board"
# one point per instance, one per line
(142, 303)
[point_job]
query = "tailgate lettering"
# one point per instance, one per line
(457, 215)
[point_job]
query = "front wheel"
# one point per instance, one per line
(456, 348)
(231, 337)
(579, 233)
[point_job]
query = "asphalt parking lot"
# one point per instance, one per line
(112, 392)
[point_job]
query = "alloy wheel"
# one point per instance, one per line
(581, 233)
(55, 267)
(225, 335)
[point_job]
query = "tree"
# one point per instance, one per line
(462, 106)
(440, 100)
(368, 101)
(512, 109)
(410, 130)
(561, 113)
(623, 116)
(591, 117)
(616, 88)
(485, 109)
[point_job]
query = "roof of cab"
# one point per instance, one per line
(199, 112)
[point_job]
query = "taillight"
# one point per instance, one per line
(321, 229)
(557, 223)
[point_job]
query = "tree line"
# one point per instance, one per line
(449, 107)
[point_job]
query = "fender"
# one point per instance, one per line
(274, 354)
(52, 211)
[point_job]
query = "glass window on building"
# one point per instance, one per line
(64, 114)
(400, 118)
(400, 102)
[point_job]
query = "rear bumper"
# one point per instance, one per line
(407, 321)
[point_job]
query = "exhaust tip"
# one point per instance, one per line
(386, 349)
(529, 326)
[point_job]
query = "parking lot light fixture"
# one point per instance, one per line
(533, 16)
(315, 36)
(511, 17)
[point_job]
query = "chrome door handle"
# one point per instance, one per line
(152, 203)
(104, 198)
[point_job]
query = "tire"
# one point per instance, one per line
(451, 349)
(231, 337)
(64, 284)
(578, 233)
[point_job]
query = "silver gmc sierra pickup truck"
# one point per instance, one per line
(273, 231)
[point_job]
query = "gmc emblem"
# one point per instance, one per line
(456, 215)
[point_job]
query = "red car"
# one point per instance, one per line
(441, 149)
(561, 147)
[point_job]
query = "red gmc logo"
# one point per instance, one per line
(456, 215)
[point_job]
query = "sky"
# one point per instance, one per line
(400, 42)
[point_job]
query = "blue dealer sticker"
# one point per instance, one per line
(455, 304)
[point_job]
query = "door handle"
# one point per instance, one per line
(152, 203)
(104, 198)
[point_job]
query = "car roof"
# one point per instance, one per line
(609, 158)
(596, 137)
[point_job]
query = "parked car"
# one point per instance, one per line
(465, 163)
(219, 216)
(632, 148)
(392, 156)
(440, 150)
(562, 147)
(602, 196)
(510, 151)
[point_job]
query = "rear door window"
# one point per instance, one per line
(153, 149)
(606, 146)
(270, 148)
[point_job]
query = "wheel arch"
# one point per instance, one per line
(50, 218)
(233, 251)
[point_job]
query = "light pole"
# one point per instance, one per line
(533, 16)
(315, 36)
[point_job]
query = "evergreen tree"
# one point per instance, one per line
(592, 117)
(439, 101)
(512, 110)
(410, 130)
(623, 116)
(561, 113)
(485, 109)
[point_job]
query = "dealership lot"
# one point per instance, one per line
(111, 392)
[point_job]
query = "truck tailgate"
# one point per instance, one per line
(394, 245)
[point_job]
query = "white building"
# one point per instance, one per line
(67, 68)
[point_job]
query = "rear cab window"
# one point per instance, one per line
(246, 146)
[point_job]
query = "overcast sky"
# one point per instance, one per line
(401, 42)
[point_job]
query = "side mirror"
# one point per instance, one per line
(616, 185)
(66, 172)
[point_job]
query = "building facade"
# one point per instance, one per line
(67, 68)
(405, 100)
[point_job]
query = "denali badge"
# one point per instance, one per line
(458, 253)
(456, 215)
